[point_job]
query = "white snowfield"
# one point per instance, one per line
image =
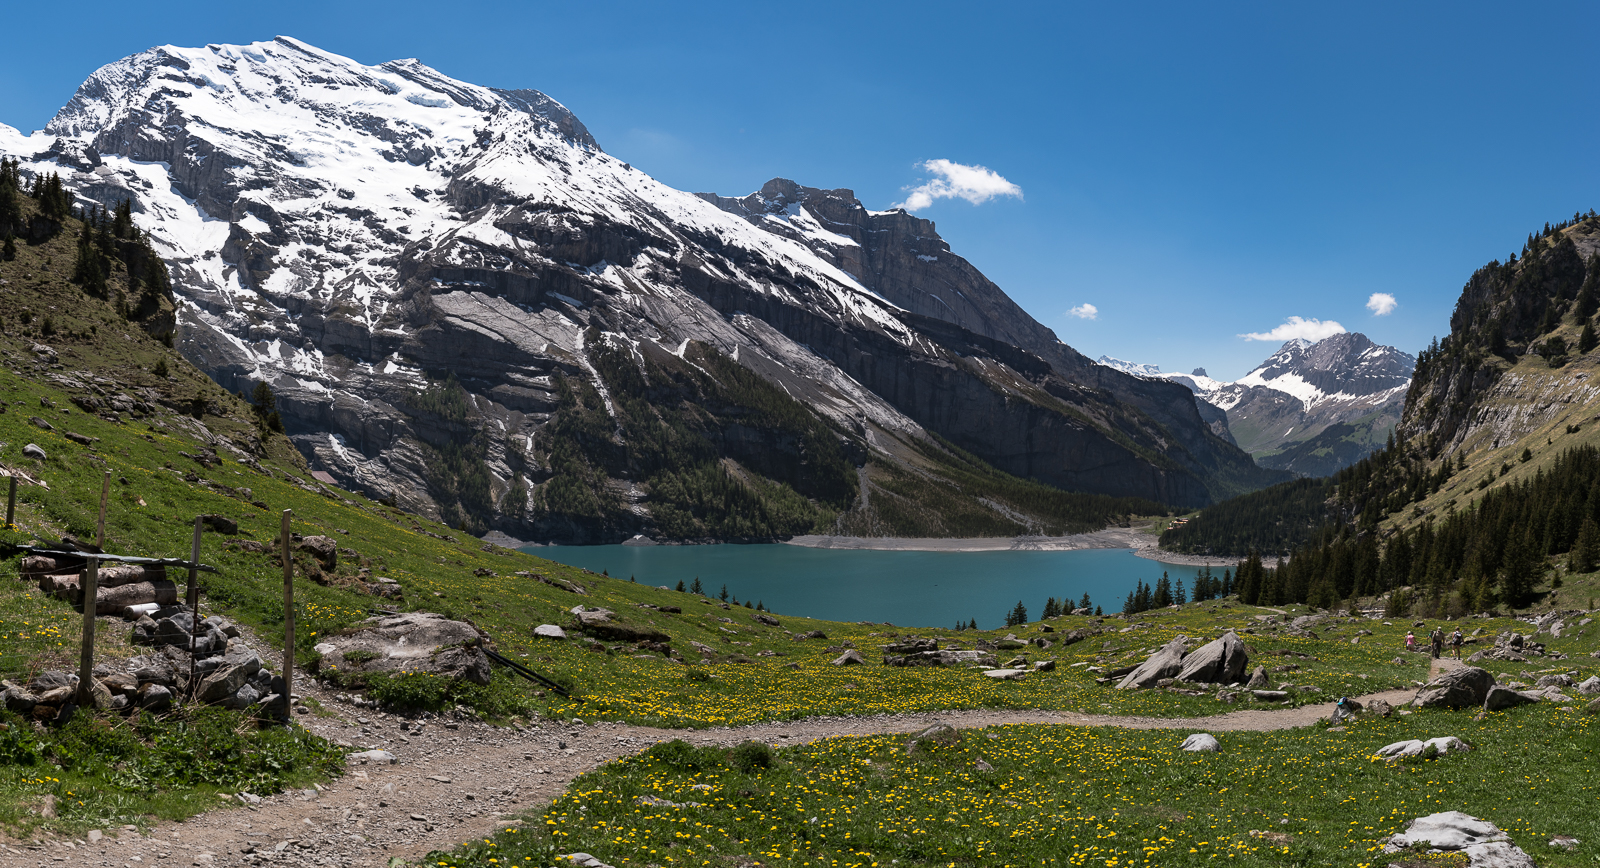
(336, 173)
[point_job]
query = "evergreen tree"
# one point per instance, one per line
(1587, 340)
(1179, 595)
(1083, 602)
(1162, 596)
(1052, 609)
(1227, 583)
(680, 586)
(1017, 616)
(972, 624)
(9, 251)
(1522, 570)
(724, 594)
(696, 588)
(1586, 552)
(265, 405)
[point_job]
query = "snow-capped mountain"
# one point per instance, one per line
(350, 232)
(1279, 410)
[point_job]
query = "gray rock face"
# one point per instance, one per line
(523, 251)
(1590, 686)
(1165, 663)
(1500, 698)
(412, 642)
(1466, 687)
(1221, 661)
(1454, 832)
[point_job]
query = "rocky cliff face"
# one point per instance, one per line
(427, 272)
(1309, 408)
(1514, 362)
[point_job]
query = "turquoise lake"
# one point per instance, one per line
(908, 589)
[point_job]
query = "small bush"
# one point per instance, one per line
(751, 755)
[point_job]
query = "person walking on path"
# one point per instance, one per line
(1455, 642)
(1437, 641)
(1411, 641)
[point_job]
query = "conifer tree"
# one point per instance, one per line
(696, 588)
(1083, 602)
(724, 593)
(1586, 552)
(1587, 340)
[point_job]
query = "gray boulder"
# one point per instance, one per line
(33, 451)
(1555, 681)
(324, 549)
(1270, 695)
(1258, 678)
(1165, 663)
(1466, 687)
(1501, 698)
(849, 658)
(154, 698)
(549, 631)
(411, 642)
(1202, 742)
(1590, 686)
(233, 672)
(1484, 845)
(1222, 661)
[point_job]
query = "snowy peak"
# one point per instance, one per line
(1346, 365)
(1150, 372)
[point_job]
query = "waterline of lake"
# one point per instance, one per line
(906, 588)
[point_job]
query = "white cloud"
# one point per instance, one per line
(1382, 304)
(1085, 311)
(1298, 327)
(975, 184)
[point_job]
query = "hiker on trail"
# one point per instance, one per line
(1411, 641)
(1437, 640)
(1455, 642)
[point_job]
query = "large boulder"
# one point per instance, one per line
(233, 671)
(601, 624)
(1500, 698)
(324, 549)
(1484, 845)
(1466, 687)
(412, 642)
(1202, 742)
(1223, 661)
(1165, 663)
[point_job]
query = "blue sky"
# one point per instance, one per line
(1194, 172)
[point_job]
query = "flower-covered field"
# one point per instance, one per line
(1062, 795)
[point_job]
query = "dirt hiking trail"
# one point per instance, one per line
(458, 781)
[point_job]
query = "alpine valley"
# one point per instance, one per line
(466, 307)
(1309, 408)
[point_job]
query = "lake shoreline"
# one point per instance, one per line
(1141, 544)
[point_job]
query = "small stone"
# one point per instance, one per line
(1202, 742)
(95, 835)
(549, 631)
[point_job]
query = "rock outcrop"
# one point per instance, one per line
(1221, 661)
(1164, 663)
(412, 642)
(1466, 687)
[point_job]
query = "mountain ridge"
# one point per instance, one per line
(1283, 409)
(352, 233)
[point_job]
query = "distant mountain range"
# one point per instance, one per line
(1309, 408)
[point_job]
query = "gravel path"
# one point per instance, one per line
(457, 781)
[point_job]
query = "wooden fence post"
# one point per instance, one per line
(288, 619)
(91, 583)
(11, 503)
